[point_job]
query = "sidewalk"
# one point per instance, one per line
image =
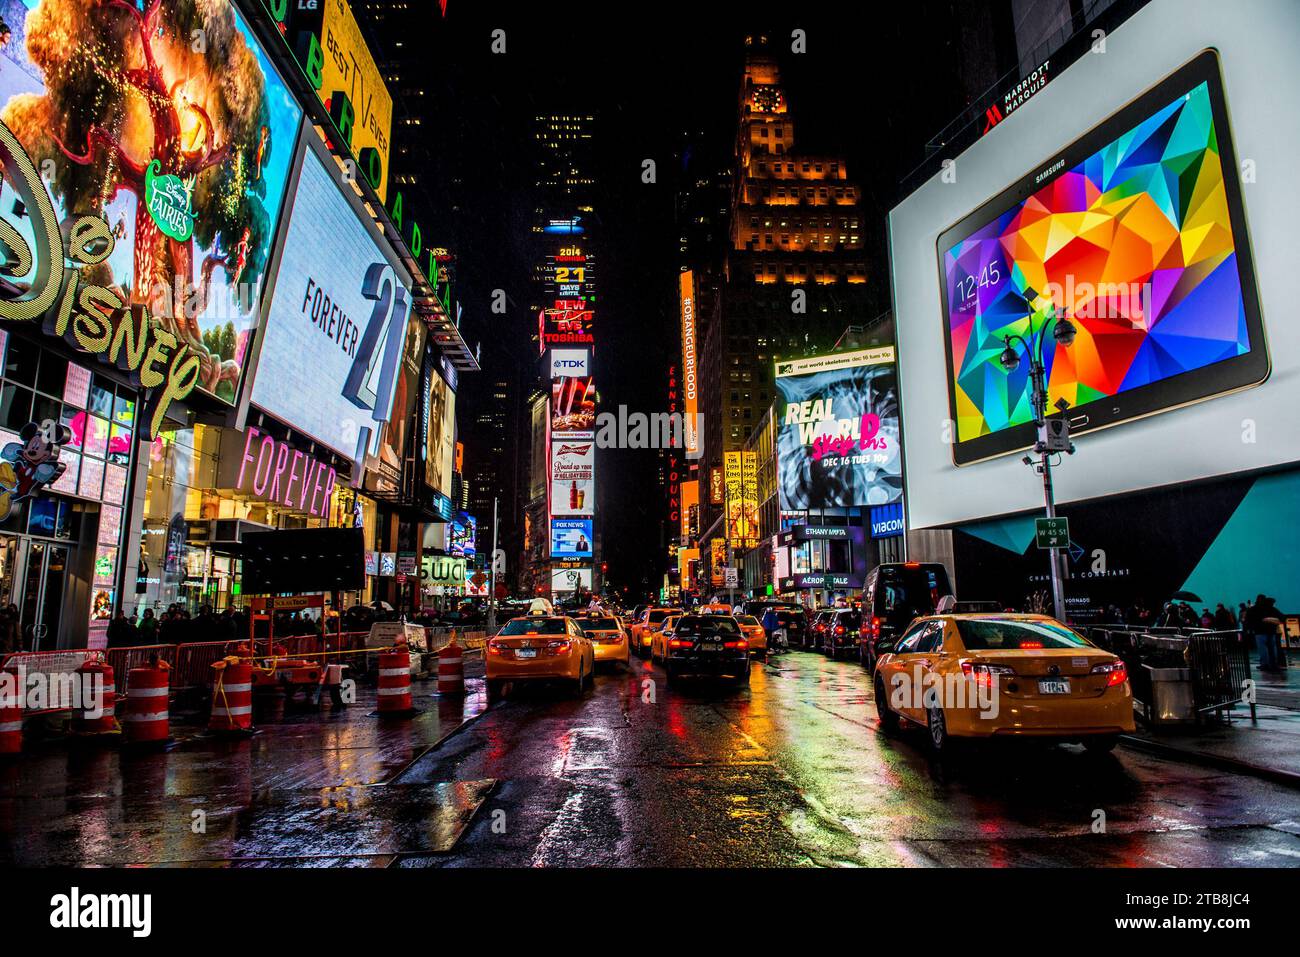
(1268, 748)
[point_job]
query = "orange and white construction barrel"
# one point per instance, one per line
(97, 715)
(148, 720)
(451, 669)
(395, 681)
(232, 697)
(11, 713)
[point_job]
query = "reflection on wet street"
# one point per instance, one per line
(791, 771)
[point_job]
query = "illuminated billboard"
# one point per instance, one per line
(440, 430)
(837, 430)
(462, 534)
(690, 376)
(568, 323)
(571, 538)
(332, 347)
(573, 405)
(185, 164)
(740, 478)
(573, 474)
(570, 579)
(570, 363)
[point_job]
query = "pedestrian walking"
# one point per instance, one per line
(1261, 620)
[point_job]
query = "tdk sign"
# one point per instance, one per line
(573, 363)
(887, 520)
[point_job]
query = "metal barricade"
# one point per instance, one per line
(55, 670)
(137, 656)
(193, 665)
(1220, 671)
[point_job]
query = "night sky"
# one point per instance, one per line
(869, 87)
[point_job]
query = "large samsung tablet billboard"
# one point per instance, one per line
(330, 353)
(1126, 197)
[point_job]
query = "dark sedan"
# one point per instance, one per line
(708, 645)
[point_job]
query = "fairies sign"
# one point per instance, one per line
(167, 198)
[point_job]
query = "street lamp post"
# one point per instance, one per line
(1063, 332)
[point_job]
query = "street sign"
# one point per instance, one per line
(1052, 532)
(731, 576)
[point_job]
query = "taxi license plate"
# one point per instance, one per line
(1054, 687)
(525, 652)
(710, 646)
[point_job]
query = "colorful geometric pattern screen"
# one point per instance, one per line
(1133, 245)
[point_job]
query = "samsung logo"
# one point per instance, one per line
(1049, 171)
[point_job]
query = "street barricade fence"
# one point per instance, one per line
(58, 671)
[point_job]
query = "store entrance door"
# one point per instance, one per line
(43, 586)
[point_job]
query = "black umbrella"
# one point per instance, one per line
(1185, 596)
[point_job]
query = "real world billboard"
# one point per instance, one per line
(185, 164)
(330, 353)
(837, 430)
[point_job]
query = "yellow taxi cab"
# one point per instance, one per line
(659, 639)
(753, 630)
(983, 676)
(643, 630)
(608, 637)
(540, 648)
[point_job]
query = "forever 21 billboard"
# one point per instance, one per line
(332, 341)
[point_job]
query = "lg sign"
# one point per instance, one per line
(570, 363)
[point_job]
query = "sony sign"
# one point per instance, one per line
(570, 363)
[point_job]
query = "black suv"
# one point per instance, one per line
(841, 637)
(707, 645)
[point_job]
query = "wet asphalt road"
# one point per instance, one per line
(793, 772)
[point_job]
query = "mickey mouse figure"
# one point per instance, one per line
(28, 466)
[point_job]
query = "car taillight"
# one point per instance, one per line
(839, 629)
(875, 627)
(559, 647)
(679, 643)
(735, 644)
(983, 674)
(615, 639)
(1031, 644)
(1116, 672)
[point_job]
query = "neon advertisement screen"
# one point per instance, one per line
(1135, 235)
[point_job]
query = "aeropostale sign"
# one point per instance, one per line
(272, 470)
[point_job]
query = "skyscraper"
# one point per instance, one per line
(795, 269)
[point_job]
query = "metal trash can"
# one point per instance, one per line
(1171, 696)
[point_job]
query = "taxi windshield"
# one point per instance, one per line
(599, 624)
(658, 616)
(993, 634)
(534, 626)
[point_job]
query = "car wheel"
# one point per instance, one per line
(940, 742)
(672, 673)
(494, 689)
(764, 655)
(1101, 744)
(744, 678)
(888, 717)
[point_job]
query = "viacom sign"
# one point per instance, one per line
(570, 363)
(887, 520)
